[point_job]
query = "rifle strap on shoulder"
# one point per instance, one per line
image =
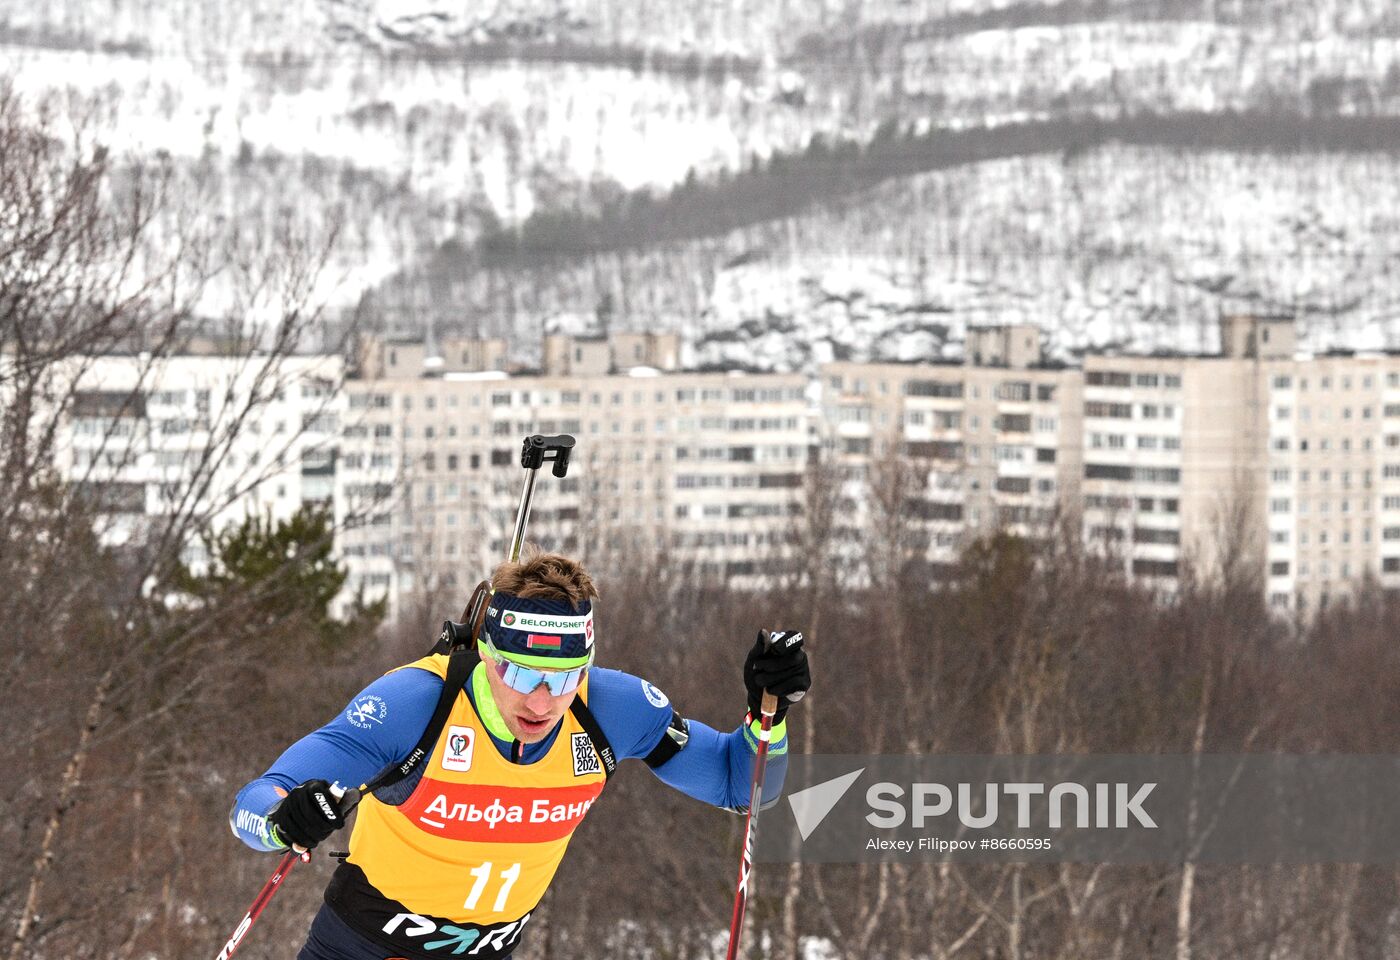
(459, 667)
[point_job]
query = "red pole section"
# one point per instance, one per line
(284, 867)
(760, 761)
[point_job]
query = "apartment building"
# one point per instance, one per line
(993, 442)
(1167, 466)
(1332, 491)
(1257, 457)
(1278, 464)
(706, 467)
(213, 434)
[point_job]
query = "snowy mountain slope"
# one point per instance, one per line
(417, 122)
(756, 29)
(1134, 246)
(411, 153)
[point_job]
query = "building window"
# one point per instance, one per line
(1154, 568)
(1099, 408)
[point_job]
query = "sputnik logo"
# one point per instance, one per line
(810, 806)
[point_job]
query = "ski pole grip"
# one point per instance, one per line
(769, 706)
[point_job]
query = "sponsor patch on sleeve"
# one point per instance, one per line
(655, 696)
(367, 711)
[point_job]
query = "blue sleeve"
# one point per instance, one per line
(714, 767)
(379, 727)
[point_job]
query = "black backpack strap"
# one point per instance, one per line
(601, 746)
(459, 668)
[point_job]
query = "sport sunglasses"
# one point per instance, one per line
(523, 679)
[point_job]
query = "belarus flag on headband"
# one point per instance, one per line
(539, 641)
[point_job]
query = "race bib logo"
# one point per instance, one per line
(457, 754)
(367, 712)
(479, 812)
(437, 936)
(585, 759)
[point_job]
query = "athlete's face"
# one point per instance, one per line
(529, 716)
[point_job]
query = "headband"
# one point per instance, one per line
(540, 632)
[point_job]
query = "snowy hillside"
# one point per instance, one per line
(1128, 246)
(1134, 246)
(417, 124)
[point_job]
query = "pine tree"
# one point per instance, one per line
(278, 574)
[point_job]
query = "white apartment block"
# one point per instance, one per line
(1165, 460)
(1289, 465)
(1286, 465)
(1332, 492)
(993, 443)
(217, 435)
(704, 467)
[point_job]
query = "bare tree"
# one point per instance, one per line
(96, 277)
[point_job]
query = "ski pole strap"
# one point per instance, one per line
(601, 746)
(459, 668)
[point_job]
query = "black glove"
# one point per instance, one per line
(306, 816)
(777, 663)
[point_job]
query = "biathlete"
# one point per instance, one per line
(451, 860)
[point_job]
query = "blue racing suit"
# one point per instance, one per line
(384, 722)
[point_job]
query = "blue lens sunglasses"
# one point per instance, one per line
(525, 679)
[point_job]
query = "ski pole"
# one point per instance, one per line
(284, 867)
(274, 882)
(767, 709)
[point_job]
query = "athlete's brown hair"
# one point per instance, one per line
(547, 576)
